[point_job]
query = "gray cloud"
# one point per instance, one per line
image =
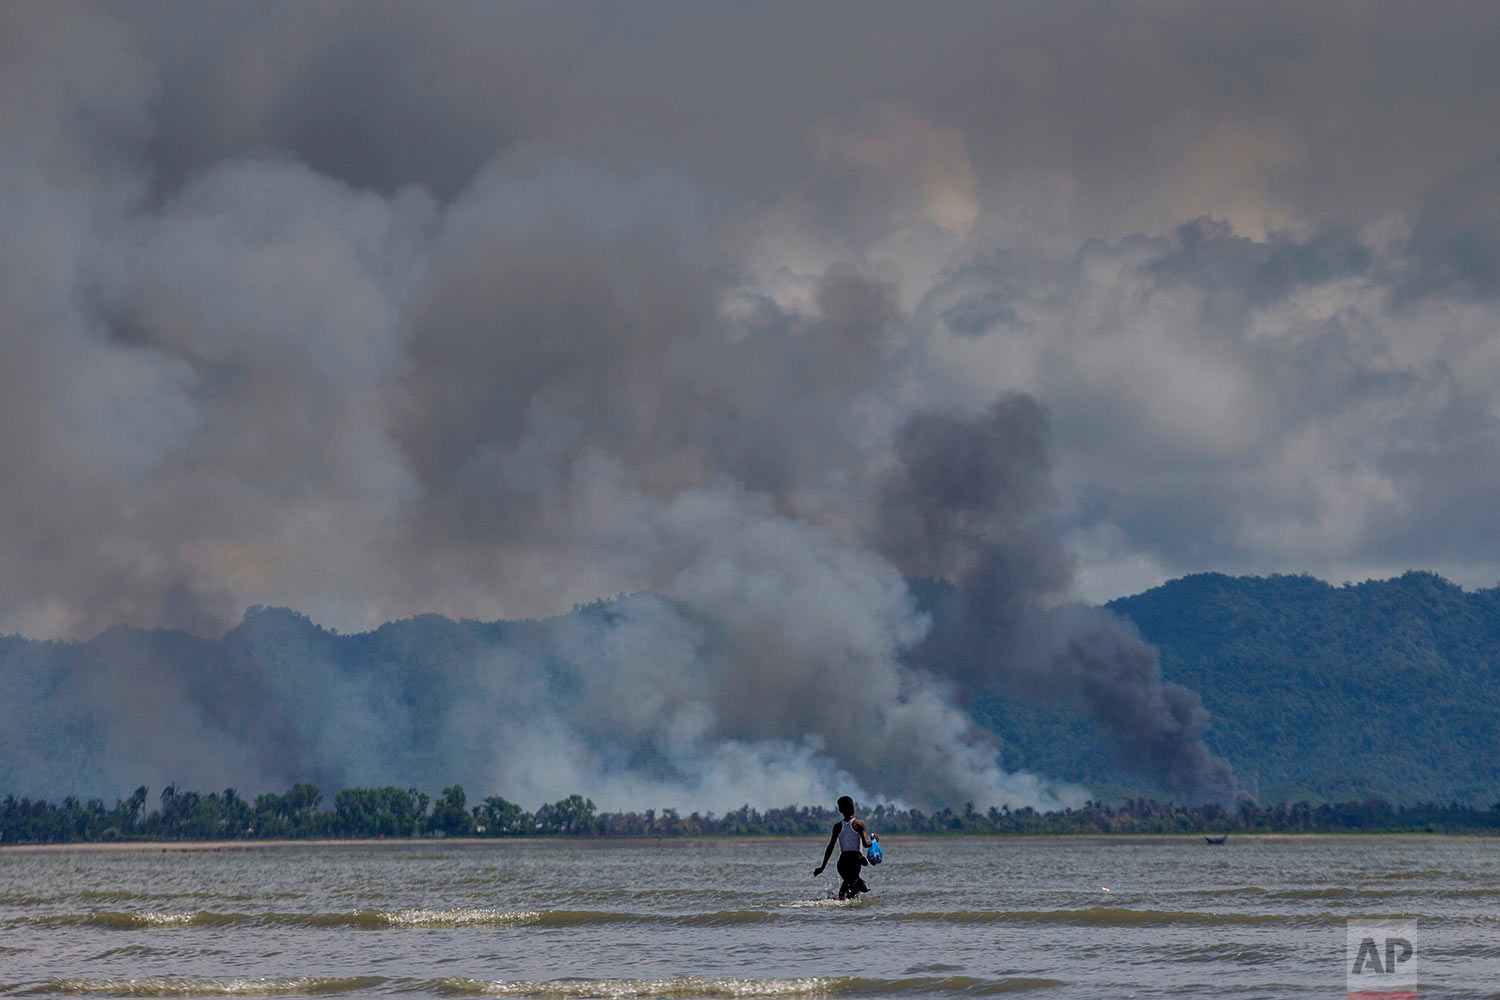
(1260, 404)
(1082, 120)
(369, 310)
(1454, 250)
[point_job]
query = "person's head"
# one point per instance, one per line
(846, 806)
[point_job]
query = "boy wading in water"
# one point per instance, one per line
(850, 835)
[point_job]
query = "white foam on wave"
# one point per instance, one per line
(166, 987)
(459, 917)
(827, 901)
(628, 989)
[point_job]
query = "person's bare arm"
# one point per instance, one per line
(832, 842)
(863, 831)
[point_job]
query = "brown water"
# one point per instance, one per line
(970, 917)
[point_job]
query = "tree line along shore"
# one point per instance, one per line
(365, 813)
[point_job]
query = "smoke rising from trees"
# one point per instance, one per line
(380, 310)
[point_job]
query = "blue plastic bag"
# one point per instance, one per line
(874, 854)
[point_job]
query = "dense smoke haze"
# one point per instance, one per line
(845, 351)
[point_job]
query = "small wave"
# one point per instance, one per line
(119, 920)
(171, 987)
(112, 895)
(126, 896)
(1331, 892)
(116, 920)
(395, 919)
(1418, 873)
(438, 918)
(1463, 893)
(1472, 950)
(947, 985)
(1106, 916)
(25, 899)
(724, 918)
(574, 918)
(1236, 890)
(682, 986)
(390, 919)
(716, 988)
(529, 918)
(129, 951)
(1359, 893)
(1227, 951)
(369, 919)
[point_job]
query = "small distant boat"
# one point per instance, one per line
(1216, 840)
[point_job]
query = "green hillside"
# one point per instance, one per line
(1327, 694)
(1384, 689)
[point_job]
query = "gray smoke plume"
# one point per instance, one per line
(967, 501)
(769, 674)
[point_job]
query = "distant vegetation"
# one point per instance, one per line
(1320, 694)
(1381, 690)
(299, 813)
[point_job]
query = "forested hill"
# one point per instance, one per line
(1383, 689)
(1387, 689)
(1320, 693)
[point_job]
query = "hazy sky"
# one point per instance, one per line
(487, 309)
